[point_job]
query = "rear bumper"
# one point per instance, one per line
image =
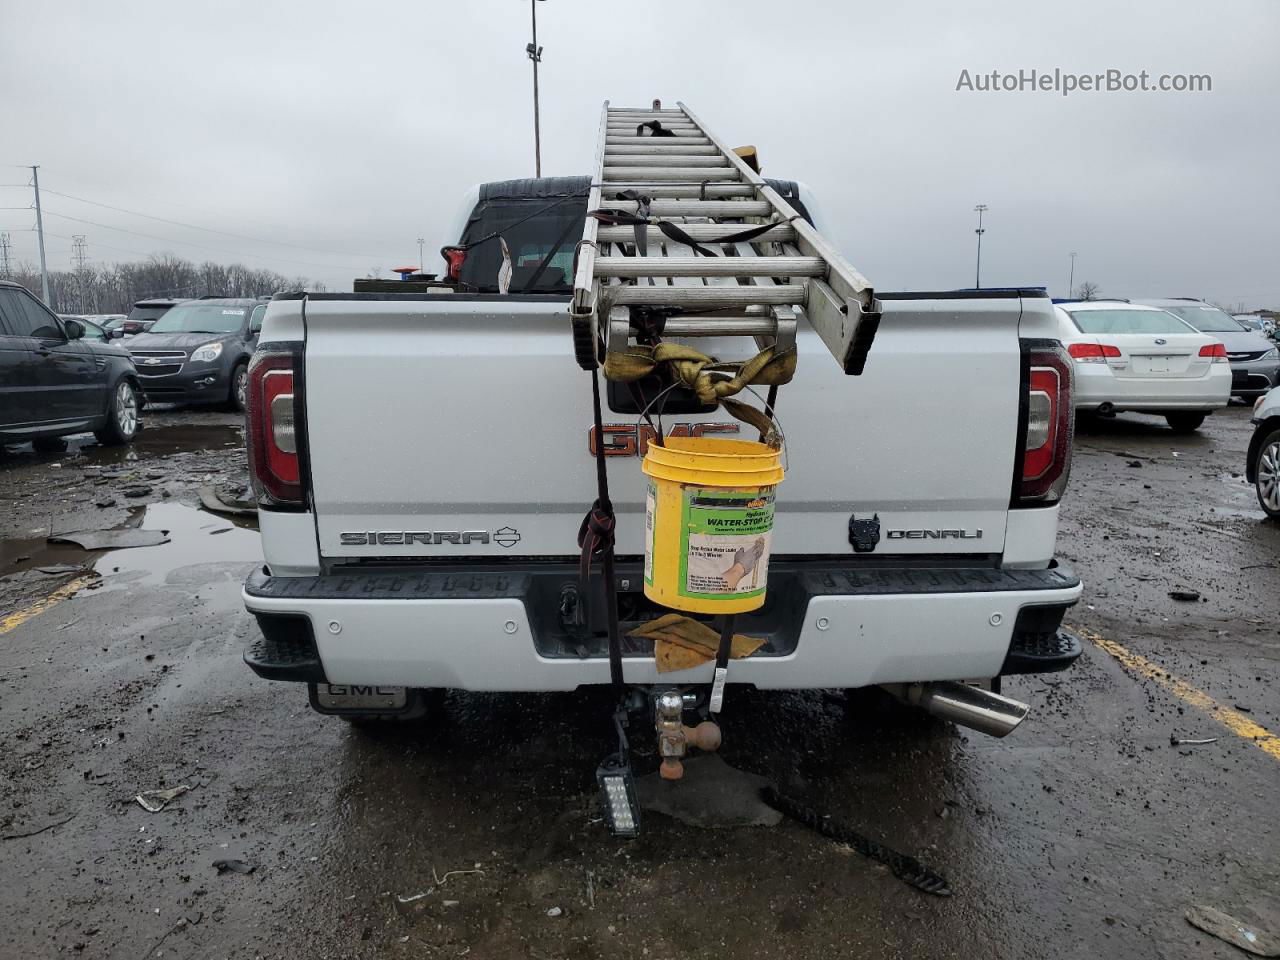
(503, 629)
(1096, 385)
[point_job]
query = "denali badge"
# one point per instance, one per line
(975, 534)
(864, 534)
(406, 538)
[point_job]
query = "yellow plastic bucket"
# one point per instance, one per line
(708, 522)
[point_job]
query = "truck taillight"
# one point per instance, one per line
(1217, 352)
(454, 257)
(274, 417)
(1049, 422)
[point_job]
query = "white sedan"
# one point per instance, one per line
(1129, 357)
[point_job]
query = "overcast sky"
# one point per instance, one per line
(349, 130)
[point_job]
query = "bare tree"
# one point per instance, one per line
(1087, 291)
(113, 288)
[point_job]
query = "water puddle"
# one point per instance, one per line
(205, 553)
(197, 541)
(152, 442)
(25, 554)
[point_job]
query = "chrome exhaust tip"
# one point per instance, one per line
(968, 706)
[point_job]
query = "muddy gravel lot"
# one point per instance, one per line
(475, 832)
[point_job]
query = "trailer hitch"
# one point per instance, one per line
(675, 737)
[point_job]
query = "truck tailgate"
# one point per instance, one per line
(453, 426)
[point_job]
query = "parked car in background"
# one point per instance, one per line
(57, 379)
(1255, 361)
(1257, 321)
(1262, 465)
(108, 322)
(199, 351)
(147, 312)
(1143, 359)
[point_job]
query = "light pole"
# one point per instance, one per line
(535, 54)
(422, 267)
(44, 269)
(1071, 284)
(977, 279)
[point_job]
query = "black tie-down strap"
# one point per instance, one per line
(655, 128)
(640, 220)
(595, 537)
(906, 868)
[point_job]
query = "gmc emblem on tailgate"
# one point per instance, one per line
(629, 440)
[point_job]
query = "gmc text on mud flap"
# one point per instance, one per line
(348, 690)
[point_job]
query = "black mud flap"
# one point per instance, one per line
(363, 700)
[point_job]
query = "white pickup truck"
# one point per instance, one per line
(423, 462)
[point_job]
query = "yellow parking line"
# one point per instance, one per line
(1233, 720)
(16, 619)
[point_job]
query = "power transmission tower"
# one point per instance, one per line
(44, 269)
(78, 260)
(4, 255)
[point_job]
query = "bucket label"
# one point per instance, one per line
(650, 501)
(725, 542)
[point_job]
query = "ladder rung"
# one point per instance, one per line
(710, 266)
(613, 139)
(657, 150)
(644, 112)
(669, 160)
(682, 133)
(621, 123)
(646, 174)
(668, 122)
(702, 232)
(720, 327)
(726, 296)
(697, 208)
(692, 191)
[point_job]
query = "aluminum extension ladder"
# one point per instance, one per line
(760, 288)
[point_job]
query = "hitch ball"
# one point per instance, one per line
(705, 736)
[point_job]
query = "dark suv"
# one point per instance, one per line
(147, 312)
(55, 380)
(199, 351)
